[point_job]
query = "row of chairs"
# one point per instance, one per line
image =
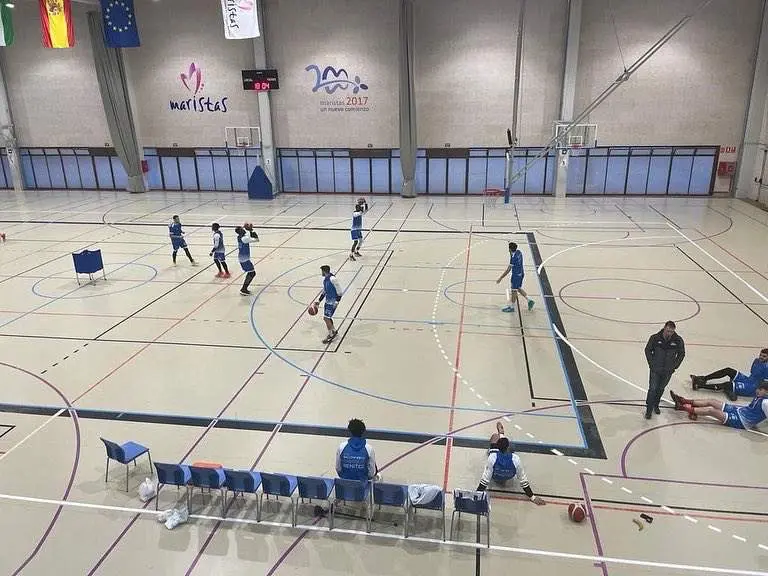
(298, 489)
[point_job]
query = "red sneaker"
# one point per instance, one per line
(680, 402)
(219, 275)
(227, 275)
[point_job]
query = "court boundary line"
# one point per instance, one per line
(383, 536)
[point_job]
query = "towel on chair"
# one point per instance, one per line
(423, 493)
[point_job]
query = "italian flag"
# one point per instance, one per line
(6, 26)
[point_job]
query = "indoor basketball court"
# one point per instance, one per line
(493, 231)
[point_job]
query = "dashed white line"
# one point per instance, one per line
(607, 481)
(646, 500)
(572, 461)
(714, 528)
(668, 509)
(627, 490)
(691, 519)
(588, 471)
(739, 538)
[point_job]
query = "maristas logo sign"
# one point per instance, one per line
(330, 81)
(192, 80)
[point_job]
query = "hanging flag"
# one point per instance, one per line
(6, 25)
(56, 23)
(241, 19)
(120, 30)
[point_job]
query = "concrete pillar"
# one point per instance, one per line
(569, 86)
(268, 152)
(750, 153)
(8, 134)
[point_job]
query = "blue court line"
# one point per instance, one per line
(351, 389)
(313, 429)
(63, 296)
(123, 265)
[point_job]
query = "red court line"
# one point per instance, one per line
(456, 365)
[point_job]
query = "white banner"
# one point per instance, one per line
(241, 19)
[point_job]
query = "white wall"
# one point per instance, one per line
(693, 91)
(175, 34)
(465, 70)
(54, 95)
(360, 36)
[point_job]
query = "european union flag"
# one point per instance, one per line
(120, 30)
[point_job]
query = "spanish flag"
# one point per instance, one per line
(56, 23)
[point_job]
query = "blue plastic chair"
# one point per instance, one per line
(172, 475)
(475, 503)
(211, 478)
(276, 485)
(352, 491)
(395, 495)
(437, 504)
(242, 482)
(125, 454)
(313, 488)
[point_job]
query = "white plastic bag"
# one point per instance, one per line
(147, 490)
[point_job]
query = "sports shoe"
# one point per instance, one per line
(680, 402)
(352, 257)
(328, 339)
(647, 413)
(227, 275)
(696, 380)
(192, 263)
(656, 410)
(245, 292)
(730, 391)
(508, 309)
(358, 254)
(531, 304)
(219, 275)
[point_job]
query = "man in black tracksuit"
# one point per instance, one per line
(665, 352)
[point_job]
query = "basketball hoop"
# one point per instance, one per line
(490, 195)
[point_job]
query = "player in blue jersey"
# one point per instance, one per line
(738, 383)
(357, 228)
(218, 252)
(731, 415)
(245, 237)
(518, 273)
(355, 458)
(177, 239)
(504, 465)
(332, 294)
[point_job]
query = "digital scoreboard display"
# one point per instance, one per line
(260, 80)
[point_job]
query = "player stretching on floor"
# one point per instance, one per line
(177, 239)
(332, 294)
(219, 252)
(516, 267)
(731, 415)
(245, 236)
(738, 384)
(503, 465)
(357, 228)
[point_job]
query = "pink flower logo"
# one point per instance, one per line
(195, 73)
(246, 5)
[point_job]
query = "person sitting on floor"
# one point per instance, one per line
(731, 415)
(738, 383)
(503, 465)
